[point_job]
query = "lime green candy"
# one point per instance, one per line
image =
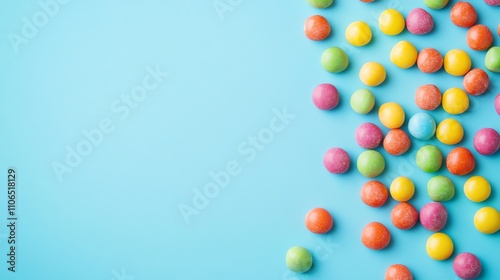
(429, 158)
(298, 259)
(362, 101)
(436, 4)
(320, 3)
(334, 60)
(440, 188)
(370, 163)
(492, 59)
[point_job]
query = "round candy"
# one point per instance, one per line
(463, 14)
(374, 193)
(369, 136)
(429, 158)
(477, 189)
(497, 104)
(358, 33)
(455, 101)
(419, 21)
(398, 272)
(440, 188)
(436, 4)
(492, 59)
(433, 216)
(397, 142)
(439, 246)
(362, 101)
(317, 28)
(429, 60)
(336, 161)
(320, 3)
(404, 54)
(325, 96)
(422, 126)
(487, 220)
(334, 60)
(372, 74)
(370, 163)
(457, 62)
(428, 97)
(318, 220)
(487, 141)
(492, 2)
(476, 81)
(391, 22)
(391, 115)
(467, 266)
(402, 189)
(375, 236)
(460, 161)
(479, 37)
(449, 132)
(298, 259)
(404, 216)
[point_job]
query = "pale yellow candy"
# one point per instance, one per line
(358, 33)
(404, 54)
(391, 22)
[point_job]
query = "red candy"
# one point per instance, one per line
(318, 220)
(429, 60)
(460, 161)
(476, 81)
(374, 193)
(397, 142)
(463, 14)
(375, 236)
(479, 37)
(404, 216)
(317, 28)
(398, 272)
(428, 97)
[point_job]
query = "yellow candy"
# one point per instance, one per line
(439, 246)
(487, 220)
(477, 189)
(372, 74)
(449, 132)
(455, 101)
(358, 33)
(404, 54)
(402, 189)
(391, 115)
(457, 62)
(391, 22)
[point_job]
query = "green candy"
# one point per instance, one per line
(370, 163)
(334, 60)
(320, 3)
(298, 259)
(436, 4)
(440, 188)
(429, 158)
(492, 59)
(362, 101)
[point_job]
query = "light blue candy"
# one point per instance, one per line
(422, 126)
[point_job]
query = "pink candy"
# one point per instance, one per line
(487, 141)
(497, 104)
(368, 136)
(433, 216)
(336, 161)
(467, 266)
(492, 2)
(419, 21)
(325, 97)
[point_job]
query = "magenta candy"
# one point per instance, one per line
(325, 96)
(419, 21)
(487, 141)
(336, 161)
(467, 266)
(433, 216)
(497, 103)
(369, 136)
(492, 2)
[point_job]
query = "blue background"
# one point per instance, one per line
(116, 215)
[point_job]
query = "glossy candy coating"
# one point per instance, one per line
(370, 163)
(334, 60)
(397, 142)
(460, 161)
(404, 216)
(433, 216)
(374, 193)
(319, 220)
(440, 188)
(436, 4)
(298, 259)
(476, 82)
(467, 266)
(487, 220)
(429, 158)
(321, 4)
(362, 101)
(372, 74)
(492, 59)
(422, 126)
(404, 54)
(358, 33)
(457, 62)
(439, 246)
(317, 28)
(449, 132)
(391, 22)
(487, 141)
(398, 272)
(402, 189)
(375, 236)
(429, 60)
(368, 135)
(479, 37)
(428, 97)
(477, 189)
(419, 21)
(455, 101)
(336, 161)
(391, 115)
(463, 14)
(325, 96)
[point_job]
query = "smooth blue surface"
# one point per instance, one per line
(116, 214)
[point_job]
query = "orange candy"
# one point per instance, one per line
(318, 220)
(397, 142)
(479, 37)
(404, 216)
(460, 161)
(317, 28)
(476, 82)
(428, 97)
(375, 236)
(463, 14)
(374, 193)
(398, 272)
(429, 60)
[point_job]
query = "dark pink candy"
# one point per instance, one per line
(467, 266)
(497, 103)
(336, 161)
(487, 141)
(369, 136)
(419, 21)
(433, 216)
(325, 96)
